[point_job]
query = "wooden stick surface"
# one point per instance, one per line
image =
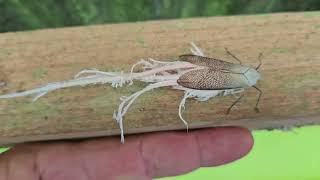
(290, 43)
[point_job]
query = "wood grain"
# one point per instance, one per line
(290, 85)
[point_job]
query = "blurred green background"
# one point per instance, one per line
(17, 15)
(277, 155)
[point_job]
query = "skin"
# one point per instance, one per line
(142, 157)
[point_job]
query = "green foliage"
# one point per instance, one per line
(18, 15)
(4, 149)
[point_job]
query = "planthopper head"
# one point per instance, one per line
(252, 75)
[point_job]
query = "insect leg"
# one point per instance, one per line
(260, 61)
(260, 94)
(232, 55)
(234, 103)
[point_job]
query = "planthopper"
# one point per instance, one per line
(200, 77)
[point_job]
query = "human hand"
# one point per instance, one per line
(142, 157)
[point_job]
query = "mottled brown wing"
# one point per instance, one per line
(211, 79)
(206, 61)
(213, 63)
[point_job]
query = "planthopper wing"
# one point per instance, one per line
(212, 79)
(206, 61)
(213, 63)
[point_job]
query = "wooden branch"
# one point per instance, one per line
(290, 85)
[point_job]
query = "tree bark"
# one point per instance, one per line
(290, 70)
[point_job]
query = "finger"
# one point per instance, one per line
(178, 153)
(18, 164)
(141, 157)
(223, 145)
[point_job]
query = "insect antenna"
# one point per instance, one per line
(234, 103)
(260, 61)
(258, 100)
(232, 55)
